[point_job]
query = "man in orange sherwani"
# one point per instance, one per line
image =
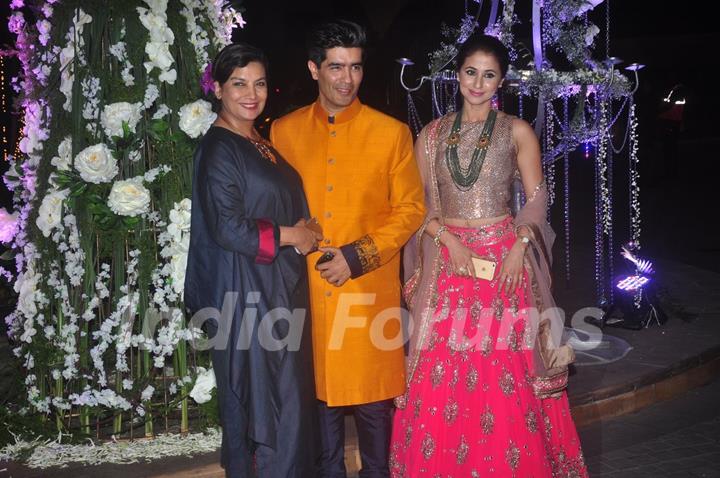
(363, 185)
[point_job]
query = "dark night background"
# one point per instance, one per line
(676, 40)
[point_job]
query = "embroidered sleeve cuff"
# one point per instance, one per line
(268, 239)
(362, 256)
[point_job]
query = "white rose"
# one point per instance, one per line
(8, 225)
(50, 211)
(196, 118)
(115, 114)
(204, 384)
(129, 197)
(96, 164)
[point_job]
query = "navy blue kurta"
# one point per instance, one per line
(237, 268)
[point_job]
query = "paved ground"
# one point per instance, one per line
(679, 438)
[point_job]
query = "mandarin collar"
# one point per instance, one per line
(345, 115)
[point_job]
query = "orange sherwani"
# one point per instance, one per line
(363, 185)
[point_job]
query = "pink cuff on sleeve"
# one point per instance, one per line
(266, 241)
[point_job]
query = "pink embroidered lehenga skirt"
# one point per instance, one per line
(473, 413)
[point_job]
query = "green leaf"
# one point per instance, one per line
(78, 189)
(131, 222)
(126, 130)
(7, 255)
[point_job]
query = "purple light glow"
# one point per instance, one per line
(632, 283)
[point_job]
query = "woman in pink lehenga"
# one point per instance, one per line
(486, 376)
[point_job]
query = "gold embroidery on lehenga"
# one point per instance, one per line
(427, 447)
(437, 374)
(451, 411)
(512, 456)
(507, 382)
(486, 346)
(463, 449)
(487, 421)
(417, 403)
(498, 307)
(455, 377)
(531, 421)
(471, 379)
(408, 435)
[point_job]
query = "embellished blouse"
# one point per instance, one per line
(490, 195)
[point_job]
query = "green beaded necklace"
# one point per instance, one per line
(464, 178)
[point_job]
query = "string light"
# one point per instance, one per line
(601, 161)
(5, 145)
(566, 170)
(600, 191)
(413, 115)
(634, 180)
(549, 164)
(609, 212)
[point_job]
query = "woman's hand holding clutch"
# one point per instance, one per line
(460, 256)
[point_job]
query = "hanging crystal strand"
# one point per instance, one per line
(566, 171)
(549, 162)
(607, 28)
(413, 116)
(601, 201)
(608, 220)
(437, 111)
(521, 113)
(599, 255)
(634, 178)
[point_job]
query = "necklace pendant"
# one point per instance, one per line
(483, 142)
(453, 139)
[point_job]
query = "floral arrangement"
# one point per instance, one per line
(110, 93)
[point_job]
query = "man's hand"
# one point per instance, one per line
(336, 271)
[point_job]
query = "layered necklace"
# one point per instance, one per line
(465, 178)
